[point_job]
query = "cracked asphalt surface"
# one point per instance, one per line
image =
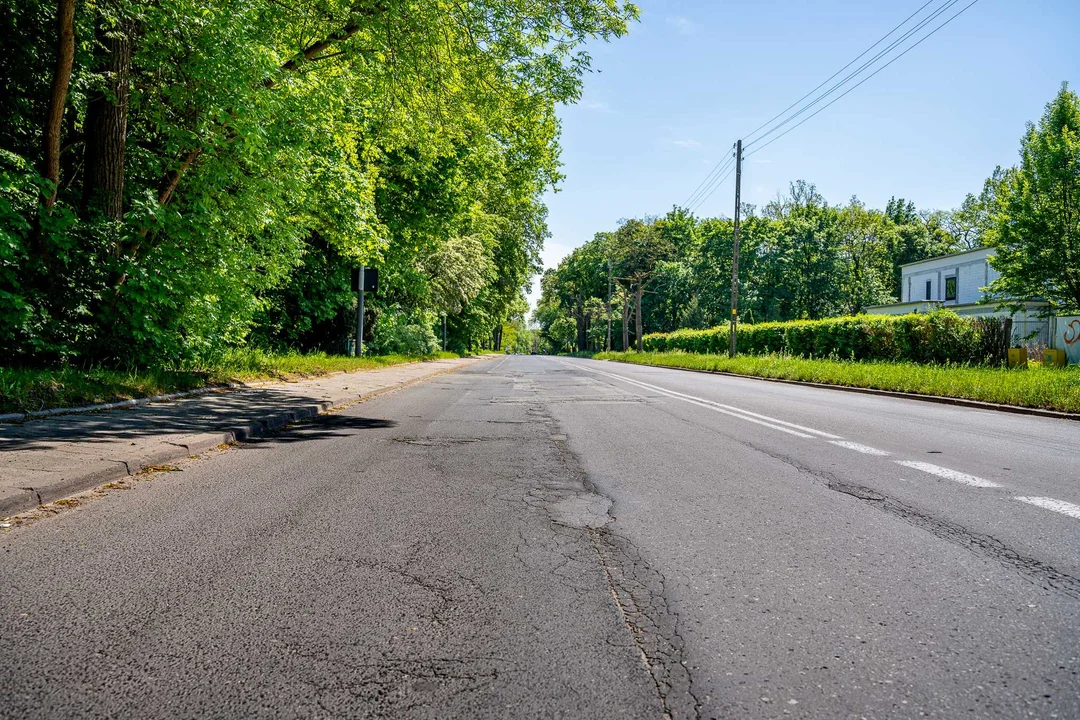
(539, 537)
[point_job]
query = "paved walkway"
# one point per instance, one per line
(45, 460)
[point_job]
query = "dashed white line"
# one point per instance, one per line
(948, 474)
(865, 449)
(1059, 506)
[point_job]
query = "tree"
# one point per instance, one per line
(1037, 235)
(638, 247)
(171, 170)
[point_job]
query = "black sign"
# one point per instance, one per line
(371, 280)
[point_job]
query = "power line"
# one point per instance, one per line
(712, 187)
(719, 168)
(716, 187)
(880, 40)
(909, 49)
(712, 174)
(919, 26)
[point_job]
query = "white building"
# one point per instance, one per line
(959, 282)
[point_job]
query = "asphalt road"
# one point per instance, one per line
(539, 537)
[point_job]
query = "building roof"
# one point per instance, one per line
(942, 257)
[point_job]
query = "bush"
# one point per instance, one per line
(401, 333)
(939, 337)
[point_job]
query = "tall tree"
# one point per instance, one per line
(1037, 239)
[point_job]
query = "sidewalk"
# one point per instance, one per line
(48, 459)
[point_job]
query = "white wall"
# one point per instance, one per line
(972, 270)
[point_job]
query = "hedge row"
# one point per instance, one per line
(937, 337)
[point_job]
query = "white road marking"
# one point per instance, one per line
(1060, 506)
(948, 474)
(767, 421)
(865, 449)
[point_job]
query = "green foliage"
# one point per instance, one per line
(562, 333)
(266, 149)
(402, 333)
(800, 258)
(1042, 387)
(1037, 208)
(939, 337)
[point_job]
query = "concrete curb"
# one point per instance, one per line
(939, 399)
(135, 402)
(195, 445)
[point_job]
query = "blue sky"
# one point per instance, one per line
(667, 101)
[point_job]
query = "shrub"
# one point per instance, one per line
(939, 337)
(401, 333)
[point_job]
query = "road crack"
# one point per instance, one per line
(1033, 570)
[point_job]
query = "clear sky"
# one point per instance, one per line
(666, 102)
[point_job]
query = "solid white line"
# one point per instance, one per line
(767, 418)
(1060, 506)
(948, 474)
(746, 415)
(865, 449)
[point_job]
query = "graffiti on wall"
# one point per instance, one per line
(1068, 332)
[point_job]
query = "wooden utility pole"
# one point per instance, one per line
(608, 347)
(735, 251)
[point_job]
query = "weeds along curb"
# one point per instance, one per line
(939, 399)
(275, 420)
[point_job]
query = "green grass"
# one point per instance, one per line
(1040, 387)
(25, 390)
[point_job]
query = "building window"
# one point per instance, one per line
(928, 282)
(950, 288)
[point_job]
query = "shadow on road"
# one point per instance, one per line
(209, 413)
(320, 428)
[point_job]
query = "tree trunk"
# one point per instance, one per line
(106, 128)
(65, 56)
(625, 323)
(637, 314)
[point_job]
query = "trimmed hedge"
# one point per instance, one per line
(939, 337)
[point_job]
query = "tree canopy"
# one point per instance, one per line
(177, 177)
(800, 258)
(804, 259)
(1036, 211)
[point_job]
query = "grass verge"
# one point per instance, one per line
(28, 389)
(1038, 387)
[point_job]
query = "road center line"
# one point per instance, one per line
(1059, 506)
(774, 423)
(948, 474)
(865, 449)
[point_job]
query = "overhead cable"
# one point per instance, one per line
(855, 73)
(909, 49)
(880, 40)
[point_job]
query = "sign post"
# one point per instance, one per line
(360, 317)
(364, 280)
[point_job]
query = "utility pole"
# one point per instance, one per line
(735, 251)
(360, 317)
(608, 347)
(444, 332)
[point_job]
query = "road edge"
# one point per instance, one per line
(939, 399)
(274, 420)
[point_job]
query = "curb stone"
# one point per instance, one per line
(135, 402)
(193, 445)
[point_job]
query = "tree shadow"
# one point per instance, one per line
(320, 428)
(170, 421)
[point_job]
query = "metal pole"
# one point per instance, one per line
(444, 332)
(360, 318)
(735, 251)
